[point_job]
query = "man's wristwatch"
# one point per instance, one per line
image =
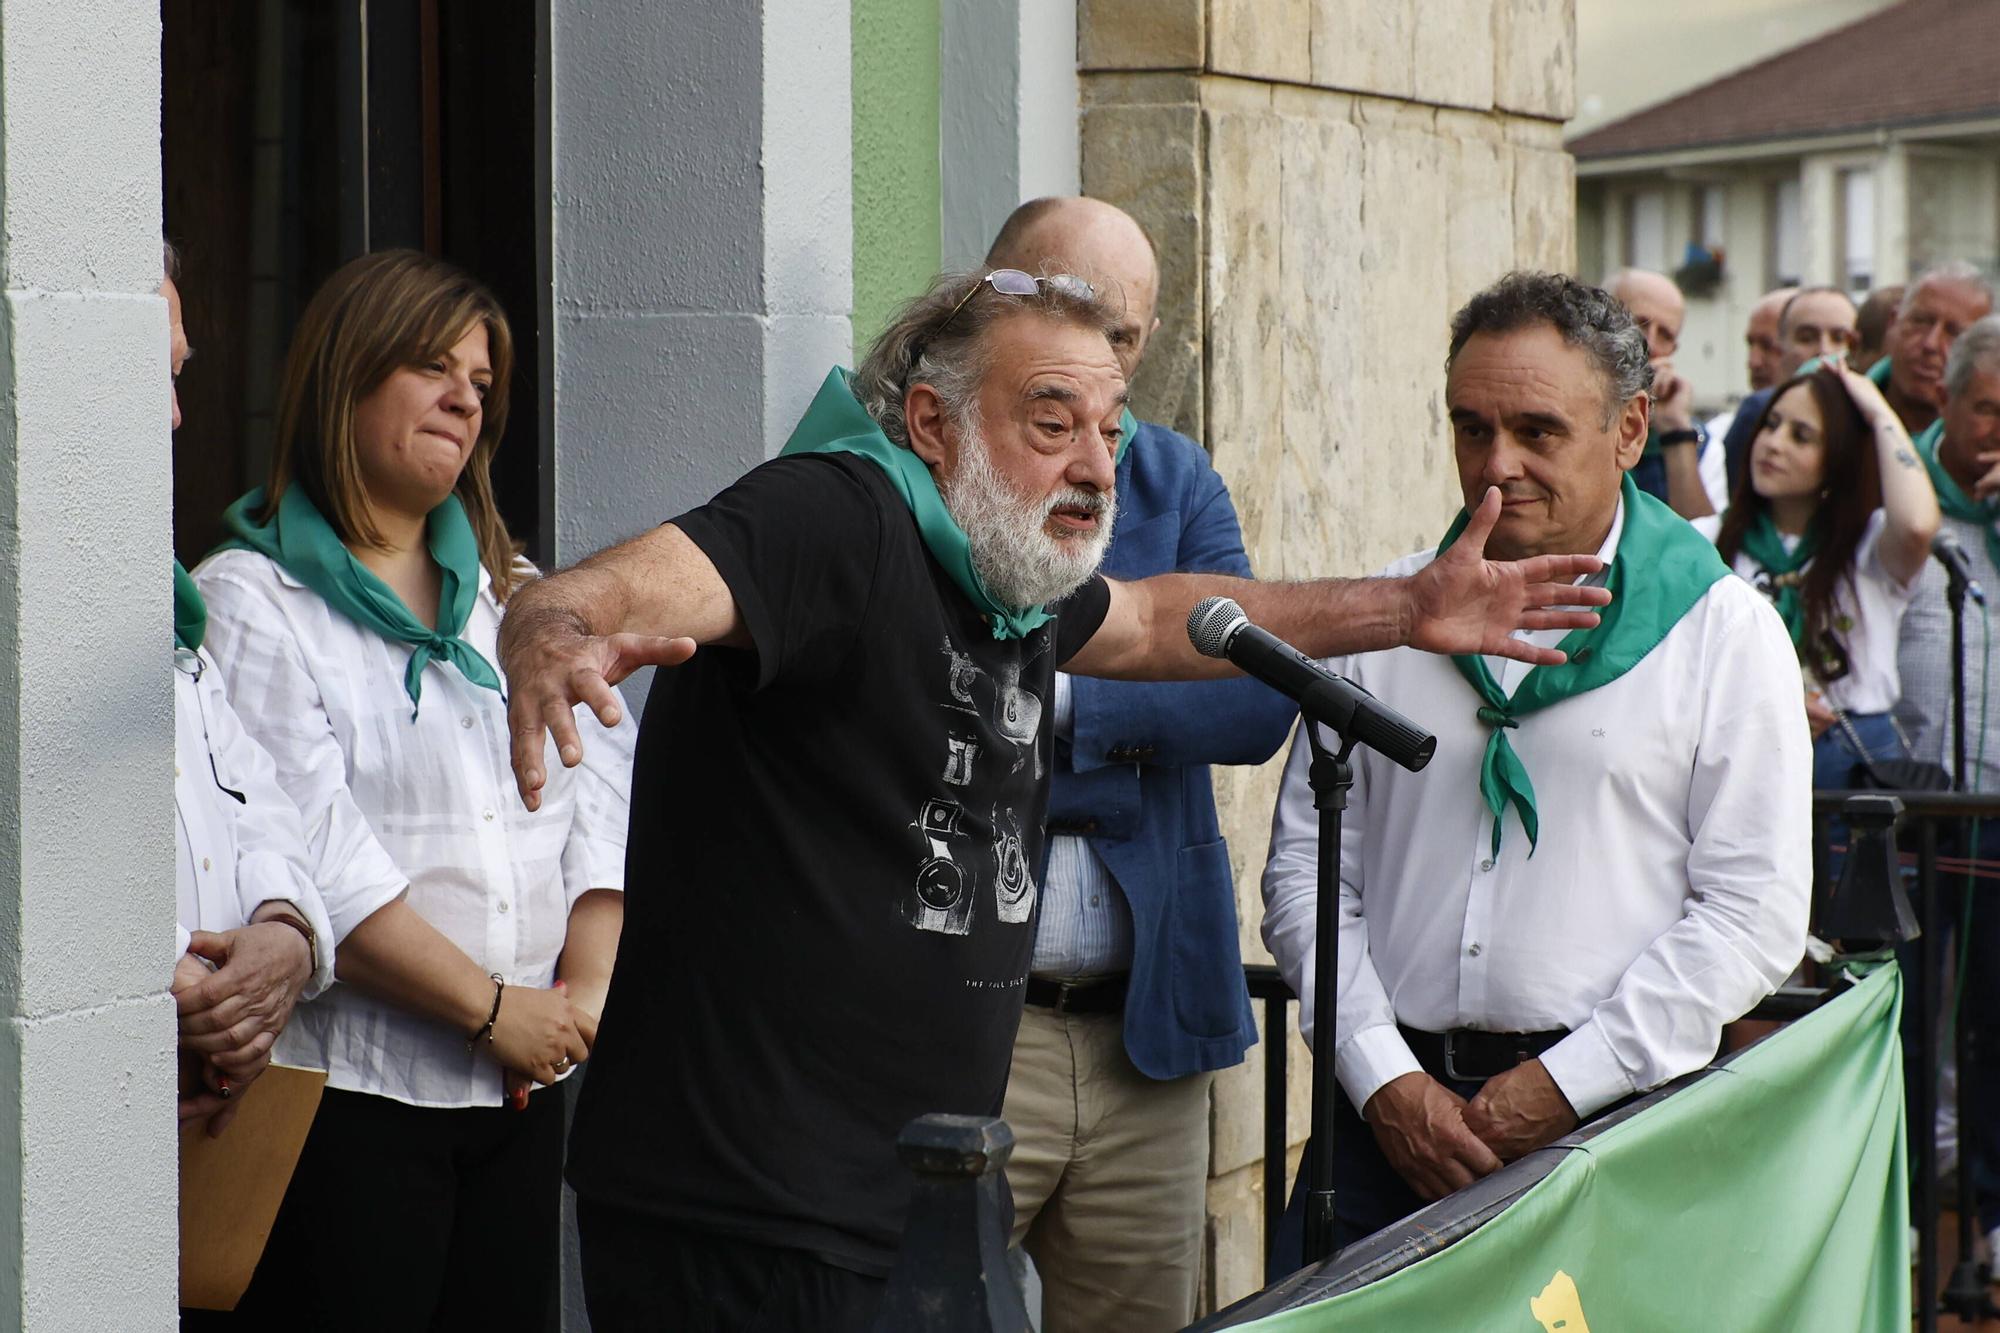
(1685, 435)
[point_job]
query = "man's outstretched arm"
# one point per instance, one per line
(1459, 603)
(567, 639)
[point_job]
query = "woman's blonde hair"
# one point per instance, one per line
(374, 316)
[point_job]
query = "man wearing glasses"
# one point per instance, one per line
(838, 798)
(1135, 995)
(1671, 468)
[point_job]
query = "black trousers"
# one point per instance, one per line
(641, 1275)
(408, 1217)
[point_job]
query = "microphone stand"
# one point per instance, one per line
(1965, 1293)
(1330, 776)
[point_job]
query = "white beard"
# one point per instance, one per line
(1015, 555)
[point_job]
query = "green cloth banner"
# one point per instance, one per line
(1771, 1194)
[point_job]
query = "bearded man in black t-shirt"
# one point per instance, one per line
(838, 801)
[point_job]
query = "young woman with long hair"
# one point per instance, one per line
(355, 608)
(1833, 521)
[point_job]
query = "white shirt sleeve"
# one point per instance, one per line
(278, 701)
(594, 856)
(1715, 462)
(1368, 1049)
(1749, 808)
(272, 863)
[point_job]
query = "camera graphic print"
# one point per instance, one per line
(970, 844)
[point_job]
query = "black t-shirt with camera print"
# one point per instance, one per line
(830, 885)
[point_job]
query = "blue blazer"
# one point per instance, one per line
(1134, 779)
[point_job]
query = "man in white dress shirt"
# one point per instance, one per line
(253, 937)
(1606, 860)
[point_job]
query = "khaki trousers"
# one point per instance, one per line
(1110, 1177)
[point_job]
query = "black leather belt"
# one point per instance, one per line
(1466, 1056)
(1084, 995)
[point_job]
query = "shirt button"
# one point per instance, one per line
(1483, 865)
(204, 863)
(1472, 951)
(1093, 900)
(465, 722)
(503, 906)
(487, 816)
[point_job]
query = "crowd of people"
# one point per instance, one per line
(919, 817)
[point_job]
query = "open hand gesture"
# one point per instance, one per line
(1464, 603)
(551, 666)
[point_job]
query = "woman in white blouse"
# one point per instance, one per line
(355, 610)
(1833, 521)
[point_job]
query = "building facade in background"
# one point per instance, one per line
(690, 211)
(1855, 159)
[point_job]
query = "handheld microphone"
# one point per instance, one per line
(1957, 565)
(1218, 628)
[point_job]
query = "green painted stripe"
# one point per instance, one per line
(897, 181)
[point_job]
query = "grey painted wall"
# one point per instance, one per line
(701, 247)
(87, 1148)
(1008, 118)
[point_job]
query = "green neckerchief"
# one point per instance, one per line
(190, 612)
(1763, 543)
(1879, 372)
(1952, 499)
(836, 423)
(299, 539)
(1660, 570)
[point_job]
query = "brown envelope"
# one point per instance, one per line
(231, 1186)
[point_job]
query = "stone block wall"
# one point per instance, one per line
(1327, 180)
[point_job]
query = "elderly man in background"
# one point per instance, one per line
(1813, 322)
(1962, 451)
(1943, 302)
(1135, 995)
(839, 790)
(1670, 466)
(253, 935)
(1871, 327)
(1604, 862)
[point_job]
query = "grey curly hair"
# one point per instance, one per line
(927, 343)
(1585, 316)
(1977, 352)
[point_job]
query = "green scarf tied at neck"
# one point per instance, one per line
(299, 538)
(1763, 543)
(1951, 498)
(836, 423)
(1661, 568)
(190, 612)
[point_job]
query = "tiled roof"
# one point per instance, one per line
(1917, 62)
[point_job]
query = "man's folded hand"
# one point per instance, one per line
(1421, 1127)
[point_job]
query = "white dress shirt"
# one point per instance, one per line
(238, 840)
(1668, 894)
(1867, 613)
(426, 807)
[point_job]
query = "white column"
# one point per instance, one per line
(1892, 215)
(87, 1146)
(1008, 115)
(1819, 211)
(701, 183)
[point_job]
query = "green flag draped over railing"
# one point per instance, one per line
(1771, 1194)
